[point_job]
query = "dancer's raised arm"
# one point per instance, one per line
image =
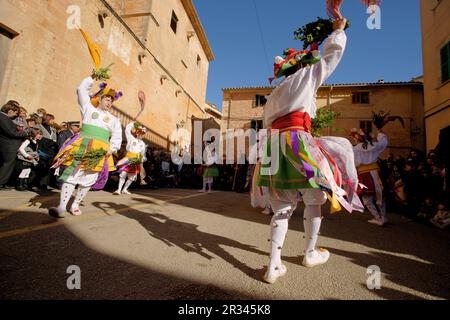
(334, 48)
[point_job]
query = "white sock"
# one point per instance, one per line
(66, 192)
(210, 183)
(121, 182)
(205, 180)
(127, 184)
(279, 228)
(368, 202)
(311, 221)
(82, 192)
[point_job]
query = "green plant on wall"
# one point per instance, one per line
(325, 118)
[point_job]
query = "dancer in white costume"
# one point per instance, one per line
(130, 165)
(87, 156)
(367, 153)
(211, 170)
(305, 164)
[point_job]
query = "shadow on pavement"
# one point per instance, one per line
(398, 237)
(186, 236)
(34, 265)
(409, 273)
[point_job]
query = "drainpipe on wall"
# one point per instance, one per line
(229, 112)
(329, 105)
(187, 112)
(228, 126)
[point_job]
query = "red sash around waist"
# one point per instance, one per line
(297, 119)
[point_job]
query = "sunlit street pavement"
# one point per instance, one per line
(181, 244)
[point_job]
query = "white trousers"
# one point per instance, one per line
(83, 178)
(130, 176)
(284, 203)
(378, 211)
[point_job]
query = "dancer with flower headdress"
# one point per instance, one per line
(87, 156)
(130, 165)
(367, 151)
(295, 161)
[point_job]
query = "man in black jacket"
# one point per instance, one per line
(10, 140)
(47, 149)
(74, 128)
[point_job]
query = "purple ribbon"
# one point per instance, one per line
(123, 168)
(102, 177)
(308, 169)
(69, 141)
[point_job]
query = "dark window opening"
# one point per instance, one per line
(260, 100)
(174, 22)
(360, 98)
(256, 124)
(445, 63)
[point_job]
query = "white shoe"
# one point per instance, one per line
(76, 211)
(315, 258)
(126, 192)
(266, 211)
(202, 190)
(273, 274)
(117, 193)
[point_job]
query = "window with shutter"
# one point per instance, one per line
(445, 63)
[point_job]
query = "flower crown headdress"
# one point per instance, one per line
(104, 91)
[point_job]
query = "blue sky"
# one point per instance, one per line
(244, 55)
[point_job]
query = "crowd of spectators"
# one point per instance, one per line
(29, 143)
(416, 186)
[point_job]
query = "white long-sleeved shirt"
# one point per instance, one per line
(298, 91)
(373, 151)
(24, 146)
(211, 159)
(134, 144)
(96, 117)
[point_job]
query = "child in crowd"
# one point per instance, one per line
(442, 217)
(28, 160)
